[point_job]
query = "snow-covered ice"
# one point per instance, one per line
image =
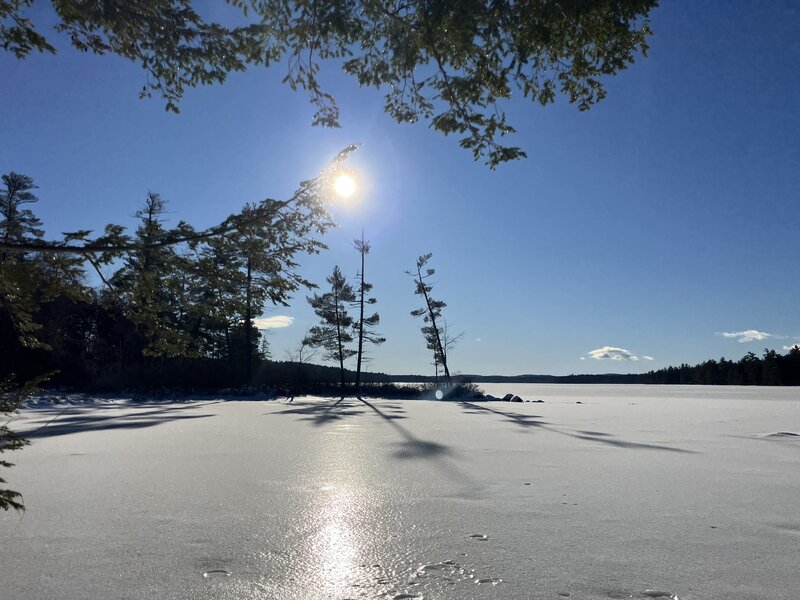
(636, 492)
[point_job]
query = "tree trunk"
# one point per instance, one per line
(339, 339)
(360, 329)
(228, 349)
(248, 324)
(435, 330)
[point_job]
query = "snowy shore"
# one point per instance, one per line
(597, 492)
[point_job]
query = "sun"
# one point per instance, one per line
(345, 186)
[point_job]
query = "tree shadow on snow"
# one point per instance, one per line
(411, 447)
(533, 421)
(67, 422)
(518, 419)
(322, 414)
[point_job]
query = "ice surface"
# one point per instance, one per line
(637, 492)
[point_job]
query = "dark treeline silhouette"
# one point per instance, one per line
(771, 368)
(175, 304)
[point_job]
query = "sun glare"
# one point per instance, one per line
(345, 186)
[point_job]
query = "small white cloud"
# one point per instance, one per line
(478, 340)
(751, 335)
(648, 357)
(276, 322)
(612, 353)
(790, 347)
(583, 358)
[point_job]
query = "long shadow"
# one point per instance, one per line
(411, 446)
(77, 423)
(58, 407)
(322, 414)
(528, 421)
(515, 418)
(77, 412)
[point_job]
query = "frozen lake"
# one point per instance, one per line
(598, 492)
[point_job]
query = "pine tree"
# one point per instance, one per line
(11, 397)
(148, 284)
(264, 348)
(23, 286)
(217, 298)
(18, 224)
(430, 313)
(18, 281)
(365, 325)
(268, 238)
(333, 332)
(28, 280)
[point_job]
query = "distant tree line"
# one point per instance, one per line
(771, 368)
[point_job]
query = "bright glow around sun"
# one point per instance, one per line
(345, 186)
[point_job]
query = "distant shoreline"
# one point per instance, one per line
(605, 378)
(771, 369)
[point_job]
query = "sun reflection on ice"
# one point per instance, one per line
(335, 544)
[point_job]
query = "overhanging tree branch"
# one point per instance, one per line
(266, 210)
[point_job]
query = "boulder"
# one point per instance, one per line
(508, 397)
(516, 399)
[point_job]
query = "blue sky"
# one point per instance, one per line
(663, 218)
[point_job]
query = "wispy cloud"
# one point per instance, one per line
(790, 346)
(612, 353)
(648, 357)
(751, 335)
(275, 322)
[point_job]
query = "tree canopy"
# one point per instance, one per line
(447, 63)
(174, 293)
